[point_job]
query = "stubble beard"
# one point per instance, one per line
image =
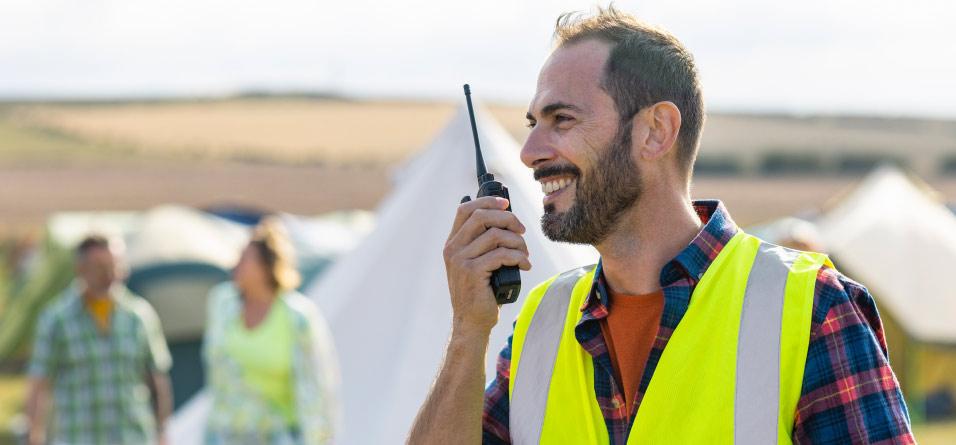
(601, 197)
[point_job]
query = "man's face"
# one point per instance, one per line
(579, 152)
(98, 269)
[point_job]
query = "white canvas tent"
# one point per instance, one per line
(174, 233)
(387, 301)
(318, 241)
(892, 236)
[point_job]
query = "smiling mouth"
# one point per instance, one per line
(551, 186)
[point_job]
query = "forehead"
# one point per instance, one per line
(251, 251)
(97, 254)
(572, 74)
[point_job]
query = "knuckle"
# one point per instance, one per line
(498, 234)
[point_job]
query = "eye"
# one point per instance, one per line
(531, 124)
(559, 118)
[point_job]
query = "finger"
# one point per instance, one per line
(502, 256)
(480, 221)
(466, 209)
(492, 239)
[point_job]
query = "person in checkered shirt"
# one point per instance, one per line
(100, 351)
(647, 346)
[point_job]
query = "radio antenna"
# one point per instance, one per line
(479, 160)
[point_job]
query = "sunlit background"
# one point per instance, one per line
(832, 123)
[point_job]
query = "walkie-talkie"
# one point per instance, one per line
(506, 281)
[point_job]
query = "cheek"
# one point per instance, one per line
(241, 272)
(249, 271)
(587, 143)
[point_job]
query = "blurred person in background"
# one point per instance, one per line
(100, 350)
(270, 362)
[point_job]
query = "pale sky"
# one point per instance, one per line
(817, 56)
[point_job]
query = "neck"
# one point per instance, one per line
(95, 294)
(259, 294)
(654, 231)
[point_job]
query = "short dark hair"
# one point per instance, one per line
(91, 242)
(647, 65)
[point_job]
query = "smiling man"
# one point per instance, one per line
(688, 330)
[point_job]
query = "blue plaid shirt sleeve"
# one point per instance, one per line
(43, 360)
(494, 421)
(850, 394)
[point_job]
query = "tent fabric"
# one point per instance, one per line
(318, 241)
(892, 236)
(163, 234)
(179, 234)
(387, 301)
(68, 228)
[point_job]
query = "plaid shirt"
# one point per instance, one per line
(849, 395)
(100, 395)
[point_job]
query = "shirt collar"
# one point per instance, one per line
(690, 263)
(118, 293)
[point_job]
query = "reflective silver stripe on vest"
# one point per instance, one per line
(757, 398)
(533, 376)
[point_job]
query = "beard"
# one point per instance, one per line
(602, 196)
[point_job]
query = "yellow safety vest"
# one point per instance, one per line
(732, 370)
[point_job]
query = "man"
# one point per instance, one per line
(687, 330)
(100, 350)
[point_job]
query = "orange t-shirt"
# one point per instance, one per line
(629, 331)
(100, 309)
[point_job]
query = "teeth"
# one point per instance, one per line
(550, 187)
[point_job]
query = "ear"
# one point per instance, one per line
(661, 123)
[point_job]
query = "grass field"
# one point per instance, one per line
(13, 391)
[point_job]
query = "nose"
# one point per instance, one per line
(536, 149)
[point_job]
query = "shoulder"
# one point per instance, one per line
(845, 312)
(221, 298)
(571, 275)
(837, 292)
(60, 307)
(135, 303)
(223, 292)
(568, 279)
(303, 310)
(140, 308)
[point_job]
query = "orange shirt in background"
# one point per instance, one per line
(629, 331)
(100, 309)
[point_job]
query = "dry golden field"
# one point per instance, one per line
(274, 130)
(308, 156)
(302, 129)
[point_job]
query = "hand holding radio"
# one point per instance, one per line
(506, 281)
(484, 238)
(485, 250)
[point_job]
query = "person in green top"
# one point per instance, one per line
(271, 366)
